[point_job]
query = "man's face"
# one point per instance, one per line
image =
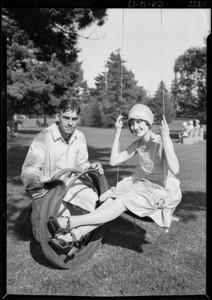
(67, 122)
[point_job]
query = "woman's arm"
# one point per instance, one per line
(170, 155)
(116, 157)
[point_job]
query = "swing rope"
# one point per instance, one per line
(163, 98)
(122, 47)
(161, 20)
(121, 85)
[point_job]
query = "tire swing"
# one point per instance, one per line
(50, 206)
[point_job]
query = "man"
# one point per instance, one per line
(55, 148)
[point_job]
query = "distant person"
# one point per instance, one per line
(15, 122)
(12, 126)
(55, 148)
(196, 123)
(185, 132)
(153, 190)
(38, 124)
(190, 125)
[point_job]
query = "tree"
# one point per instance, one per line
(116, 90)
(161, 104)
(41, 56)
(35, 86)
(92, 114)
(53, 30)
(190, 84)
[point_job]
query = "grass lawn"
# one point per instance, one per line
(136, 258)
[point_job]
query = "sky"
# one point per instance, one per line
(149, 41)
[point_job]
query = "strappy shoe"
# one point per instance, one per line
(63, 245)
(55, 227)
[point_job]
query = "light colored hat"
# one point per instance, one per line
(141, 111)
(185, 124)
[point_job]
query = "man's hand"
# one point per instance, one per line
(36, 190)
(97, 167)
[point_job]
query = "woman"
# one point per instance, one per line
(153, 190)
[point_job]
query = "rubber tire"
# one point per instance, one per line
(50, 207)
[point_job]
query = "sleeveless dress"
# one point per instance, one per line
(152, 190)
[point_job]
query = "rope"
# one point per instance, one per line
(163, 100)
(121, 84)
(161, 20)
(122, 47)
(106, 77)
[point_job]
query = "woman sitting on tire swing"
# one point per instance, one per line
(153, 190)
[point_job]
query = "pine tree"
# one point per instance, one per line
(42, 56)
(116, 90)
(161, 104)
(35, 86)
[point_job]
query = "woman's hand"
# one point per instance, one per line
(164, 129)
(171, 158)
(119, 124)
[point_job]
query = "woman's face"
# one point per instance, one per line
(138, 127)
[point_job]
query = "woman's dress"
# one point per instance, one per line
(152, 190)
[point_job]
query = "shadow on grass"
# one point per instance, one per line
(15, 159)
(125, 234)
(191, 203)
(127, 237)
(23, 231)
(30, 131)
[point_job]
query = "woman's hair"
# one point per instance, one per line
(69, 105)
(133, 119)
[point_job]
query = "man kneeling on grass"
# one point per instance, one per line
(55, 148)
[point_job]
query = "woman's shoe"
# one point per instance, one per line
(62, 244)
(55, 227)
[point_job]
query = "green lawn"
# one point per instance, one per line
(136, 257)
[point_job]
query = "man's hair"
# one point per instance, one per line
(69, 105)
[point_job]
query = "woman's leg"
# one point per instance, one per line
(83, 230)
(101, 215)
(108, 211)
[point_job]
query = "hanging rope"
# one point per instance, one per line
(106, 77)
(161, 27)
(122, 47)
(163, 98)
(121, 84)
